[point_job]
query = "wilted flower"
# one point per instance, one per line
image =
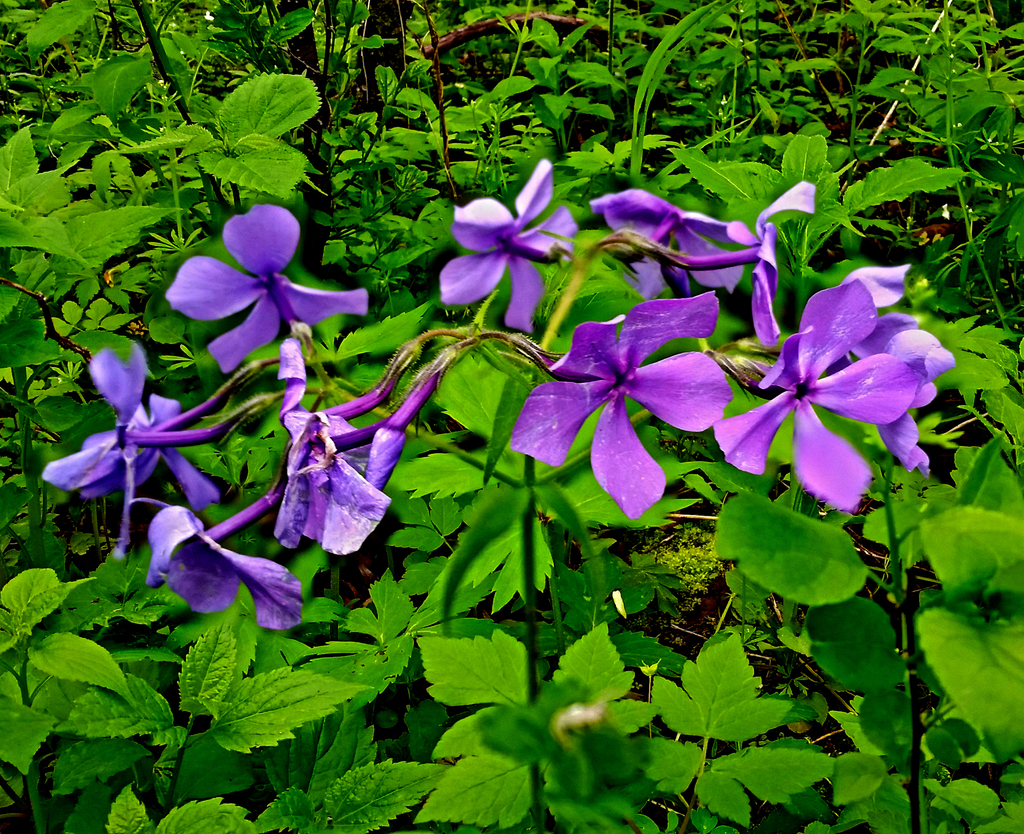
(263, 241)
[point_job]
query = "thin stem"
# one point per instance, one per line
(532, 653)
(169, 799)
(50, 331)
(694, 802)
(35, 542)
(568, 297)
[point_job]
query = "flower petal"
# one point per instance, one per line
(480, 224)
(264, 239)
(206, 289)
(259, 328)
(594, 353)
(885, 283)
(691, 242)
(313, 306)
(162, 409)
(799, 198)
(276, 593)
(638, 210)
(688, 391)
(89, 464)
(354, 509)
(622, 466)
(650, 325)
(765, 281)
(886, 328)
(169, 528)
(874, 390)
(203, 577)
(199, 490)
(294, 510)
(560, 223)
(646, 278)
(693, 224)
(827, 465)
(120, 383)
(385, 452)
(746, 438)
(552, 416)
(527, 291)
(469, 278)
(900, 437)
(292, 369)
(922, 352)
(536, 194)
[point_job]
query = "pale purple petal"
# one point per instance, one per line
(691, 242)
(885, 283)
(354, 510)
(144, 464)
(120, 383)
(199, 490)
(264, 239)
(292, 369)
(259, 328)
(622, 466)
(469, 278)
(688, 391)
(71, 472)
(276, 593)
(593, 354)
(924, 396)
(552, 416)
(765, 280)
(480, 224)
(385, 452)
(527, 291)
(313, 306)
(827, 465)
(900, 437)
(202, 577)
(799, 198)
(559, 223)
(746, 438)
(162, 409)
(206, 289)
(536, 194)
(638, 210)
(646, 278)
(874, 390)
(922, 352)
(739, 233)
(294, 510)
(650, 325)
(691, 222)
(169, 528)
(108, 477)
(886, 327)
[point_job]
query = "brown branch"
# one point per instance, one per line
(483, 27)
(435, 56)
(51, 331)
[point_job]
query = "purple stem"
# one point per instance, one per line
(189, 437)
(363, 403)
(255, 510)
(702, 262)
(399, 420)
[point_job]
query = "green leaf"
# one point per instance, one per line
(595, 662)
(371, 796)
(980, 665)
(101, 235)
(439, 473)
(268, 104)
(190, 138)
(855, 643)
(100, 713)
(262, 164)
(972, 798)
(262, 710)
(897, 182)
(33, 594)
(748, 181)
(288, 26)
(208, 671)
(971, 546)
(86, 761)
(778, 771)
(128, 815)
(720, 698)
(475, 671)
(17, 159)
(61, 20)
(724, 796)
(73, 658)
(482, 791)
(510, 403)
(856, 776)
(394, 610)
(117, 80)
(292, 810)
(380, 338)
(205, 817)
(24, 730)
(672, 765)
(207, 770)
(802, 559)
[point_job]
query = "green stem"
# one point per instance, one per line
(32, 789)
(169, 799)
(532, 653)
(694, 801)
(556, 604)
(568, 297)
(35, 527)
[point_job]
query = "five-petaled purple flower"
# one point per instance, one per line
(114, 461)
(263, 241)
(877, 389)
(661, 221)
(206, 575)
(502, 241)
(688, 391)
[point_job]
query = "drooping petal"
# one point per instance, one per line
(594, 354)
(469, 278)
(622, 466)
(827, 465)
(885, 283)
(259, 328)
(765, 281)
(292, 369)
(647, 278)
(552, 416)
(559, 223)
(276, 593)
(527, 291)
(922, 352)
(900, 437)
(91, 463)
(886, 327)
(536, 194)
(264, 239)
(385, 452)
(202, 577)
(108, 477)
(120, 383)
(799, 198)
(650, 325)
(206, 289)
(638, 210)
(688, 391)
(746, 438)
(691, 242)
(313, 306)
(293, 512)
(874, 390)
(169, 528)
(162, 409)
(693, 224)
(354, 509)
(199, 490)
(739, 233)
(480, 224)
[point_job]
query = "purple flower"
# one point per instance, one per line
(206, 575)
(687, 391)
(488, 228)
(660, 221)
(766, 271)
(878, 390)
(263, 241)
(114, 461)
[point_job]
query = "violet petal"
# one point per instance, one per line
(259, 328)
(828, 466)
(885, 283)
(765, 280)
(480, 224)
(536, 194)
(276, 593)
(638, 210)
(650, 325)
(292, 369)
(206, 289)
(169, 528)
(313, 306)
(622, 466)
(469, 278)
(199, 490)
(746, 438)
(900, 437)
(354, 510)
(552, 417)
(593, 354)
(527, 291)
(120, 383)
(799, 198)
(873, 390)
(886, 328)
(688, 391)
(264, 239)
(203, 577)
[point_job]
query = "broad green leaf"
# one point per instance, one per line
(465, 737)
(886, 811)
(481, 791)
(101, 235)
(128, 815)
(990, 483)
(981, 667)
(719, 698)
(898, 181)
(724, 796)
(970, 797)
(99, 713)
(207, 770)
(117, 80)
(73, 658)
(17, 159)
(802, 559)
(855, 643)
(292, 810)
(856, 776)
(258, 163)
(262, 710)
(778, 771)
(672, 765)
(440, 473)
(190, 138)
(369, 797)
(972, 546)
(268, 104)
(470, 394)
(86, 761)
(208, 671)
(24, 729)
(394, 610)
(380, 338)
(595, 662)
(61, 20)
(476, 671)
(510, 404)
(885, 720)
(205, 817)
(288, 26)
(749, 181)
(33, 594)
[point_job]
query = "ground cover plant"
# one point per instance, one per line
(489, 418)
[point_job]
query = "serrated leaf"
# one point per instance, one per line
(17, 159)
(100, 713)
(720, 698)
(370, 797)
(672, 765)
(724, 796)
(394, 610)
(897, 182)
(383, 337)
(475, 671)
(60, 20)
(73, 658)
(190, 138)
(262, 710)
(272, 168)
(289, 25)
(208, 671)
(268, 104)
(98, 236)
(33, 594)
(481, 791)
(24, 730)
(128, 815)
(210, 815)
(292, 810)
(729, 180)
(87, 761)
(594, 661)
(776, 772)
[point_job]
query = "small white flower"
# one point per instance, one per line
(945, 211)
(208, 15)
